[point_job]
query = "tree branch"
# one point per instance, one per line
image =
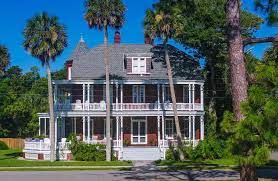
(249, 41)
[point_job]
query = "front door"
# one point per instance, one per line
(139, 131)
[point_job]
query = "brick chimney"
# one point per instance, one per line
(148, 39)
(117, 38)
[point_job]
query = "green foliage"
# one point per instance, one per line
(172, 154)
(210, 148)
(48, 40)
(269, 7)
(109, 12)
(22, 97)
(4, 60)
(86, 152)
(3, 146)
(253, 138)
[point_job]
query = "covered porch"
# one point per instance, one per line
(126, 132)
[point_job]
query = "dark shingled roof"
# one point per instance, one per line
(88, 63)
(79, 50)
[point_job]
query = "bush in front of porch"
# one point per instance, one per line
(82, 151)
(210, 148)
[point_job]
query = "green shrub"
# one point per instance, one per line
(3, 146)
(172, 154)
(86, 152)
(210, 148)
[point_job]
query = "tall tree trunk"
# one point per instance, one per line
(248, 173)
(51, 114)
(174, 101)
(236, 57)
(107, 90)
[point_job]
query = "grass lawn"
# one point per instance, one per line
(9, 158)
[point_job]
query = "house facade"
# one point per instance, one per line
(142, 118)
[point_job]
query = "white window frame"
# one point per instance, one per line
(144, 119)
(138, 70)
(172, 128)
(138, 89)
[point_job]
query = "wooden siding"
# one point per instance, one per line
(14, 143)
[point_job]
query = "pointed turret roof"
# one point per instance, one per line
(81, 48)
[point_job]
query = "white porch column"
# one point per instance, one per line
(202, 96)
(193, 96)
(163, 131)
(88, 128)
(190, 128)
(202, 127)
(117, 130)
(163, 93)
(190, 98)
(83, 101)
(122, 137)
(122, 96)
(74, 125)
(84, 131)
(45, 127)
(56, 131)
(158, 96)
(193, 126)
(88, 96)
(158, 131)
(117, 96)
(55, 93)
(39, 126)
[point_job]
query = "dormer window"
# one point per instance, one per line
(139, 65)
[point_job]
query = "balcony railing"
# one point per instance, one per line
(127, 106)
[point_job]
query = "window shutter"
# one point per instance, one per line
(148, 65)
(129, 65)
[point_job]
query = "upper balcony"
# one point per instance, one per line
(90, 96)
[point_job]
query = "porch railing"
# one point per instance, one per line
(127, 106)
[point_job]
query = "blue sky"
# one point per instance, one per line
(15, 13)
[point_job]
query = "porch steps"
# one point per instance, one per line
(142, 153)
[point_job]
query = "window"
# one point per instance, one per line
(111, 93)
(139, 65)
(169, 128)
(138, 93)
(185, 127)
(167, 94)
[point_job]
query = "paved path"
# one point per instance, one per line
(143, 170)
(116, 175)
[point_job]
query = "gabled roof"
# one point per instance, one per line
(89, 64)
(80, 49)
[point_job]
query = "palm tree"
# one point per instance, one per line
(4, 59)
(45, 39)
(101, 14)
(159, 24)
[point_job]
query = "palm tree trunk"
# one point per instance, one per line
(248, 173)
(107, 90)
(174, 102)
(236, 56)
(51, 114)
